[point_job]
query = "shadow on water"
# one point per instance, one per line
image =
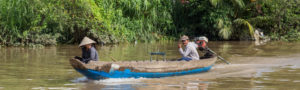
(269, 66)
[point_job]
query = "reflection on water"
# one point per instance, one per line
(281, 79)
(269, 66)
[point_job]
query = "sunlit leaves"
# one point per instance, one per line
(239, 3)
(243, 22)
(138, 18)
(215, 2)
(225, 32)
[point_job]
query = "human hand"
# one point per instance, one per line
(179, 45)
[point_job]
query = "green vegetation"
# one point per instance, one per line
(237, 19)
(48, 22)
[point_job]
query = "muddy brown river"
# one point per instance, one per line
(272, 66)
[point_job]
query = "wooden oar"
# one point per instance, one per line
(112, 58)
(218, 56)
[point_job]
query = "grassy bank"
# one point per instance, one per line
(47, 22)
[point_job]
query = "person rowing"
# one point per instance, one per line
(202, 46)
(89, 51)
(190, 52)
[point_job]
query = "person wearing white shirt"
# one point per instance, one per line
(190, 52)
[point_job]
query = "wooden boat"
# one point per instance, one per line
(135, 69)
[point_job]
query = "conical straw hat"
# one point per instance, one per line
(86, 41)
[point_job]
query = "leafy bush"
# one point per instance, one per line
(47, 22)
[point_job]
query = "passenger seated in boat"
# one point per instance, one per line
(202, 46)
(89, 51)
(190, 52)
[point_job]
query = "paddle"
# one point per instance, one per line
(113, 59)
(218, 56)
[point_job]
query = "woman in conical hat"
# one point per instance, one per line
(89, 51)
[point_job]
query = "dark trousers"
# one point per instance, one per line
(207, 55)
(81, 59)
(184, 58)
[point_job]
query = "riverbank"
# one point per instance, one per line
(47, 22)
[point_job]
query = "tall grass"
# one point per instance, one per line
(24, 21)
(67, 21)
(137, 19)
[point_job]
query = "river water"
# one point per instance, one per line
(274, 65)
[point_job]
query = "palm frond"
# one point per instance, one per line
(220, 23)
(240, 3)
(246, 23)
(215, 2)
(225, 32)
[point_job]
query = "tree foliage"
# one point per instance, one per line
(237, 19)
(47, 22)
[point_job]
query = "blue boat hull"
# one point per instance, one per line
(96, 75)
